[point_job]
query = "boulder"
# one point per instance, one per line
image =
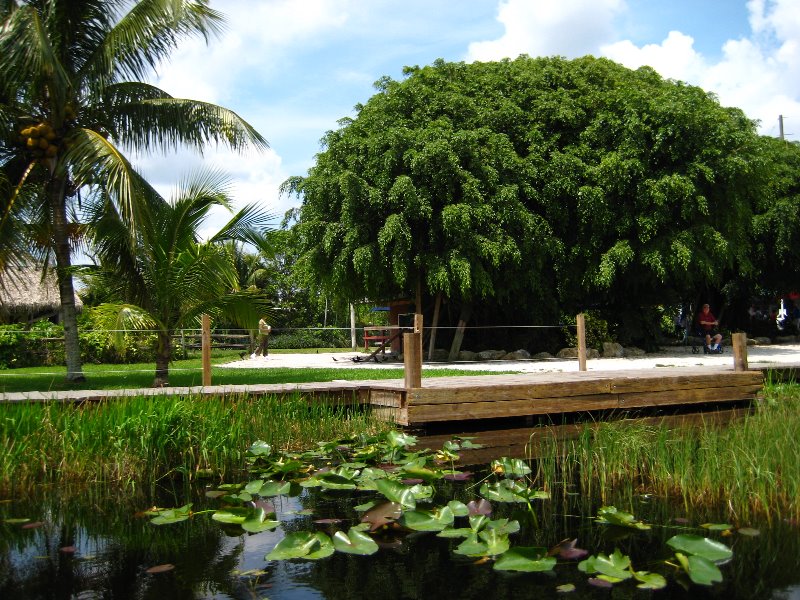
(439, 355)
(542, 356)
(467, 355)
(785, 339)
(613, 350)
(568, 353)
(633, 352)
(763, 341)
(520, 354)
(491, 354)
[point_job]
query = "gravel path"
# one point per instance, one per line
(783, 355)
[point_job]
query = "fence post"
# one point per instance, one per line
(581, 320)
(206, 349)
(412, 354)
(739, 351)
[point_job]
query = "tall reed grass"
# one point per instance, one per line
(136, 441)
(751, 466)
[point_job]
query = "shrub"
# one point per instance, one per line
(328, 337)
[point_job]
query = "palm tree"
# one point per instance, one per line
(71, 101)
(166, 276)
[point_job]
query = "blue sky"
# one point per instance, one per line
(292, 68)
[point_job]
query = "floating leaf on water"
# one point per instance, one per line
(33, 525)
(68, 549)
(716, 526)
(601, 583)
(274, 488)
(215, 493)
(260, 448)
(397, 492)
(527, 559)
(565, 588)
(610, 515)
(428, 520)
(700, 546)
(411, 481)
(458, 476)
(480, 507)
(302, 544)
(566, 549)
(160, 569)
(459, 508)
(382, 514)
(616, 565)
(510, 467)
(650, 581)
(354, 541)
(17, 521)
(699, 569)
(749, 531)
(681, 520)
(327, 521)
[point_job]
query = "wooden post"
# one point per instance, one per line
(581, 342)
(205, 343)
(352, 326)
(739, 352)
(412, 354)
(435, 322)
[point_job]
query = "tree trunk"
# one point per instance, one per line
(163, 354)
(66, 290)
(455, 348)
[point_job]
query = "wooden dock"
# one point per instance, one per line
(497, 396)
(482, 397)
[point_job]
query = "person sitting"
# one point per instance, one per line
(708, 326)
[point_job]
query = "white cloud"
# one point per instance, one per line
(543, 27)
(759, 74)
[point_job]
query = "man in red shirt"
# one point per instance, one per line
(708, 324)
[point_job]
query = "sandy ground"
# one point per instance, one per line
(758, 356)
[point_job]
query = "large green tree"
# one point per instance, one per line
(166, 277)
(531, 185)
(72, 101)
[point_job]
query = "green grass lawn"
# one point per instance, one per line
(187, 373)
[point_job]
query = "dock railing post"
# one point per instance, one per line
(205, 343)
(739, 341)
(412, 354)
(581, 321)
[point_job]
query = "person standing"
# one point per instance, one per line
(264, 330)
(708, 325)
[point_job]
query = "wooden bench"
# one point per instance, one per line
(377, 335)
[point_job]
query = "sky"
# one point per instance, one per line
(293, 68)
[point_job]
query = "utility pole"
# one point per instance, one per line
(780, 127)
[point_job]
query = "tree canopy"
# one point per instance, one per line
(542, 184)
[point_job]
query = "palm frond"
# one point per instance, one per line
(29, 60)
(248, 225)
(144, 36)
(119, 319)
(95, 160)
(165, 123)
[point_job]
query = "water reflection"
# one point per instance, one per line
(92, 544)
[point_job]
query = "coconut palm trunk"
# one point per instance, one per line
(66, 289)
(163, 355)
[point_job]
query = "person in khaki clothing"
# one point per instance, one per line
(264, 330)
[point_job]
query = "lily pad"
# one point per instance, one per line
(397, 492)
(302, 544)
(528, 559)
(650, 581)
(354, 541)
(716, 526)
(382, 514)
(616, 565)
(565, 588)
(510, 467)
(749, 531)
(699, 569)
(700, 546)
(167, 516)
(567, 550)
(480, 507)
(610, 515)
(428, 520)
(275, 488)
(160, 569)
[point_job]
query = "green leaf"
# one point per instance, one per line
(615, 566)
(700, 570)
(302, 544)
(354, 541)
(274, 488)
(611, 516)
(650, 581)
(171, 515)
(528, 559)
(428, 520)
(459, 508)
(700, 546)
(259, 448)
(510, 467)
(716, 526)
(396, 492)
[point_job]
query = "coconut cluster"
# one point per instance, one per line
(40, 140)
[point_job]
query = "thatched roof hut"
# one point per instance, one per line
(26, 297)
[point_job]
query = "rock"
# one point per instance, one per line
(613, 350)
(568, 353)
(520, 354)
(491, 354)
(785, 339)
(633, 352)
(542, 356)
(467, 355)
(439, 355)
(592, 353)
(763, 341)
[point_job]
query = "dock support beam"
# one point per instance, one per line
(739, 341)
(581, 321)
(412, 354)
(205, 344)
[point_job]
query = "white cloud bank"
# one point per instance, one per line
(759, 73)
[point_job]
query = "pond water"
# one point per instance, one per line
(87, 544)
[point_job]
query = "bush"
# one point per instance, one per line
(329, 337)
(596, 330)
